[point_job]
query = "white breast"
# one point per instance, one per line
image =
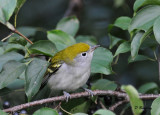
(69, 78)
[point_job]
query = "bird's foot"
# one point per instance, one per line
(89, 91)
(67, 95)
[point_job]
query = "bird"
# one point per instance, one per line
(69, 69)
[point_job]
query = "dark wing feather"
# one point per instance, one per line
(52, 69)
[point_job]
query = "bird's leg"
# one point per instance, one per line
(67, 95)
(89, 91)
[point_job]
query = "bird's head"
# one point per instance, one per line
(77, 53)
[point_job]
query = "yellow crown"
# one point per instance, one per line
(69, 53)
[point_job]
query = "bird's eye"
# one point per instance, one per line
(84, 54)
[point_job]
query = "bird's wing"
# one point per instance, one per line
(52, 69)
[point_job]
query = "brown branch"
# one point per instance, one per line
(82, 94)
(102, 105)
(148, 96)
(62, 98)
(141, 96)
(17, 32)
(13, 29)
(65, 111)
(113, 107)
(7, 37)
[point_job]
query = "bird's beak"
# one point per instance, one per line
(94, 47)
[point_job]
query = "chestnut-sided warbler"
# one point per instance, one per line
(70, 68)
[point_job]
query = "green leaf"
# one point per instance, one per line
(148, 87)
(122, 22)
(1, 43)
(70, 25)
(77, 105)
(22, 76)
(3, 113)
(1, 50)
(135, 44)
(6, 9)
(155, 107)
(118, 3)
(16, 84)
(101, 62)
(103, 112)
(135, 101)
(46, 111)
(60, 39)
(80, 114)
(156, 29)
(5, 91)
(83, 107)
(123, 48)
(140, 3)
(137, 41)
(34, 76)
(28, 31)
(9, 56)
(103, 84)
(91, 40)
(17, 40)
(45, 47)
(13, 47)
(109, 28)
(114, 41)
(139, 58)
(149, 42)
(145, 18)
(19, 5)
(146, 34)
(10, 72)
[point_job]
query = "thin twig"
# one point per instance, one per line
(17, 32)
(113, 107)
(13, 29)
(141, 96)
(4, 39)
(58, 105)
(65, 111)
(102, 105)
(116, 60)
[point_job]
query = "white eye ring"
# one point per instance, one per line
(84, 54)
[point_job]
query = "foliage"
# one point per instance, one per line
(103, 112)
(18, 61)
(47, 111)
(155, 105)
(136, 103)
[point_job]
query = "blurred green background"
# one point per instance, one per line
(94, 17)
